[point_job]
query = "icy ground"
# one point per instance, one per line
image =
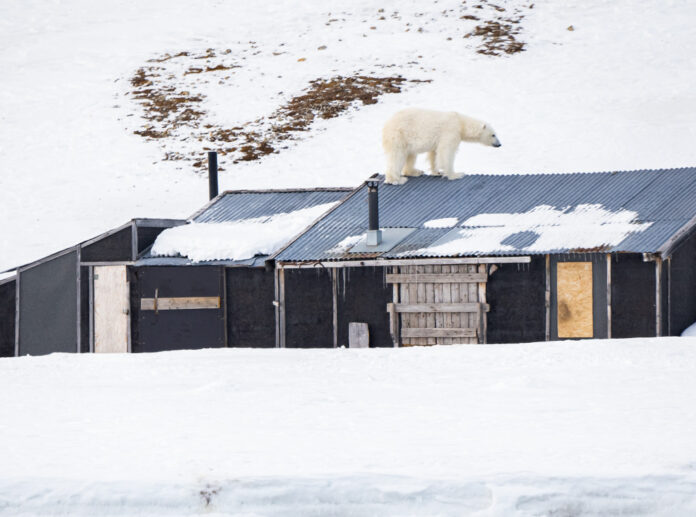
(563, 429)
(616, 92)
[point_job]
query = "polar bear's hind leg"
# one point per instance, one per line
(409, 169)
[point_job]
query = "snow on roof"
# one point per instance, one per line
(585, 227)
(237, 240)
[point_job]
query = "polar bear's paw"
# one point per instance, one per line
(399, 180)
(454, 175)
(413, 173)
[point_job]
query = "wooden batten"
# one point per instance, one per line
(438, 307)
(439, 332)
(180, 303)
(435, 278)
(658, 296)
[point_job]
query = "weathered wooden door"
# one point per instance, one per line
(438, 304)
(574, 299)
(111, 309)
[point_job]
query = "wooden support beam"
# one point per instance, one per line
(437, 307)
(180, 303)
(434, 278)
(407, 262)
(609, 295)
(334, 290)
(483, 317)
(658, 296)
(547, 298)
(393, 315)
(438, 332)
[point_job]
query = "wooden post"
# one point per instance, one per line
(658, 296)
(281, 308)
(334, 289)
(393, 315)
(483, 322)
(78, 302)
(609, 295)
(19, 275)
(91, 309)
(547, 298)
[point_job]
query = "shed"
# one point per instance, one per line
(496, 259)
(222, 293)
(46, 305)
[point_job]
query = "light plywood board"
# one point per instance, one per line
(574, 295)
(111, 309)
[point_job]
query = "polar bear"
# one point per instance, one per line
(412, 131)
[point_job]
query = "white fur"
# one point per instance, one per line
(412, 131)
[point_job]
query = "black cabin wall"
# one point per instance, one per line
(147, 236)
(117, 247)
(516, 295)
(48, 306)
(250, 310)
(632, 296)
(363, 296)
(8, 310)
(308, 308)
(681, 287)
(153, 331)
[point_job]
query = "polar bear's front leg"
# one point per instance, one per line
(409, 169)
(445, 153)
(395, 163)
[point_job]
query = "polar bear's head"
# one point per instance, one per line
(487, 136)
(473, 130)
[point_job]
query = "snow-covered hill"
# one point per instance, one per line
(615, 92)
(569, 429)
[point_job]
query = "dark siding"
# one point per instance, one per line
(632, 296)
(250, 310)
(84, 309)
(48, 307)
(8, 296)
(599, 291)
(147, 236)
(308, 308)
(115, 247)
(516, 294)
(363, 296)
(682, 286)
(176, 329)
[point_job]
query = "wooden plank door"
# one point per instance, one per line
(111, 309)
(438, 304)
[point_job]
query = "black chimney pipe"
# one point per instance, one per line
(212, 174)
(373, 205)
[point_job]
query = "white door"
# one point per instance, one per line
(111, 309)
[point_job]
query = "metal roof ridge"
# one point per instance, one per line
(316, 221)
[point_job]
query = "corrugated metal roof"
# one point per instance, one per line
(658, 203)
(234, 206)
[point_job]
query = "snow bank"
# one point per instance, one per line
(542, 228)
(563, 428)
(236, 240)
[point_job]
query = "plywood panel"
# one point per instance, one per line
(574, 295)
(111, 309)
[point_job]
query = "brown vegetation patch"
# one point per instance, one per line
(324, 99)
(169, 107)
(500, 34)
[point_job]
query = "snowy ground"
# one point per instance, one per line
(614, 93)
(563, 429)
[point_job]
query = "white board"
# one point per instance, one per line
(111, 309)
